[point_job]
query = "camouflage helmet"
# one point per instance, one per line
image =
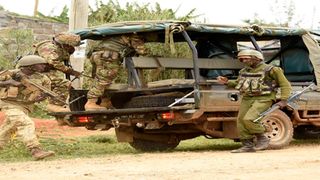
(250, 52)
(31, 60)
(68, 38)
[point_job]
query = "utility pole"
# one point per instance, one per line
(35, 10)
(78, 19)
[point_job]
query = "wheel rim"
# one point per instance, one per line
(274, 128)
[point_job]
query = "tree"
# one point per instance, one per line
(113, 12)
(285, 15)
(13, 43)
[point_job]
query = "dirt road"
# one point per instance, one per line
(295, 162)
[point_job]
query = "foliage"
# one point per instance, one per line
(113, 12)
(13, 43)
(91, 146)
(285, 12)
(40, 111)
(63, 17)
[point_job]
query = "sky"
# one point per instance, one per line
(307, 12)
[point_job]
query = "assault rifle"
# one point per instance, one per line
(291, 101)
(28, 82)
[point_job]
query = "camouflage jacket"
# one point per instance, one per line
(124, 45)
(54, 54)
(27, 93)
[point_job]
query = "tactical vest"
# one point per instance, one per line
(25, 94)
(256, 83)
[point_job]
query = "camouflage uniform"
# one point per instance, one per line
(107, 56)
(16, 105)
(56, 54)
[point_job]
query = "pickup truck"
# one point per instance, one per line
(158, 115)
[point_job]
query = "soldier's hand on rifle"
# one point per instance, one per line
(41, 97)
(282, 103)
(222, 80)
(74, 73)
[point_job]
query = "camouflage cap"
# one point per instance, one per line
(250, 52)
(68, 38)
(31, 60)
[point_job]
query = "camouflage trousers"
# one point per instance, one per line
(106, 71)
(59, 85)
(249, 111)
(17, 122)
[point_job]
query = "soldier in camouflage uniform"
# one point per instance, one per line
(57, 52)
(106, 56)
(257, 83)
(17, 99)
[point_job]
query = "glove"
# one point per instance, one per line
(282, 104)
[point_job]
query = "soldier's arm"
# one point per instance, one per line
(52, 55)
(232, 83)
(285, 87)
(6, 79)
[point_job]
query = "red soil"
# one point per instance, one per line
(50, 128)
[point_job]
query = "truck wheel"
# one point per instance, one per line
(147, 145)
(279, 129)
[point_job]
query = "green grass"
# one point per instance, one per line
(92, 146)
(97, 146)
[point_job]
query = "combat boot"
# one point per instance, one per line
(247, 146)
(38, 153)
(56, 108)
(262, 142)
(92, 105)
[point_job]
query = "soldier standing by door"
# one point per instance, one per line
(257, 83)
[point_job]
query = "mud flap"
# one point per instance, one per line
(124, 134)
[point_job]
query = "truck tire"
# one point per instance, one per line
(149, 146)
(279, 129)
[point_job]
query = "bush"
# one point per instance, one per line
(13, 43)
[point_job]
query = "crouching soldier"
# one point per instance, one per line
(17, 99)
(258, 83)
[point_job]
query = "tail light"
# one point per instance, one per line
(83, 119)
(167, 116)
